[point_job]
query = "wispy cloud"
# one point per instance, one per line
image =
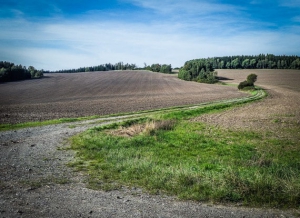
(296, 19)
(165, 31)
(188, 6)
(290, 3)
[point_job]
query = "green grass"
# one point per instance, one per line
(202, 108)
(4, 127)
(193, 160)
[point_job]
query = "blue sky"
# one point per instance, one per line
(57, 34)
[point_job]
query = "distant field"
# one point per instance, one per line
(246, 155)
(288, 79)
(277, 113)
(101, 93)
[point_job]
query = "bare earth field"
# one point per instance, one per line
(101, 93)
(275, 113)
(34, 178)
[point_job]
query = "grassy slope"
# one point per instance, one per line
(196, 161)
(193, 160)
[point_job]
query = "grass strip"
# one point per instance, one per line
(193, 161)
(6, 127)
(172, 154)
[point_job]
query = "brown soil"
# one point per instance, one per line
(101, 93)
(34, 179)
(276, 113)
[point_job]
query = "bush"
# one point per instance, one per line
(251, 79)
(248, 88)
(249, 83)
(166, 68)
(243, 84)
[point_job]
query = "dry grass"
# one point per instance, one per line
(148, 128)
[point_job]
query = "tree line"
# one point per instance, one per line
(200, 70)
(161, 68)
(11, 72)
(102, 67)
(262, 61)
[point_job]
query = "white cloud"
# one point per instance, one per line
(290, 3)
(63, 44)
(188, 6)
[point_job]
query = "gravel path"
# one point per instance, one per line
(35, 182)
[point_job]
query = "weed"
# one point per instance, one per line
(154, 126)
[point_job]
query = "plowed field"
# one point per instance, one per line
(101, 93)
(278, 113)
(269, 79)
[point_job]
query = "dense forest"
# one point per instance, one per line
(102, 67)
(11, 72)
(200, 70)
(261, 61)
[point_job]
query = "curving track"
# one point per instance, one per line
(34, 181)
(101, 93)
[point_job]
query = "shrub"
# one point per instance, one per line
(166, 68)
(248, 88)
(249, 83)
(251, 79)
(243, 84)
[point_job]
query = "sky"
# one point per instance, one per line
(67, 34)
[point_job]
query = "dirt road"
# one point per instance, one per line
(35, 182)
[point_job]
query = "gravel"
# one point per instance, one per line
(35, 181)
